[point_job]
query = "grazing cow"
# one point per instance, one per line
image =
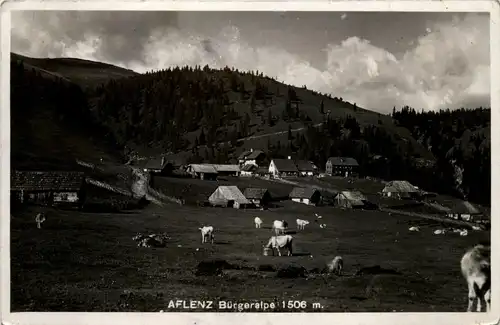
(475, 265)
(322, 226)
(336, 265)
(301, 224)
(414, 229)
(39, 219)
(318, 216)
(207, 233)
(278, 242)
(279, 227)
(464, 232)
(258, 222)
(476, 228)
(439, 232)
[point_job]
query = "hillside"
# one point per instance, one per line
(78, 108)
(85, 73)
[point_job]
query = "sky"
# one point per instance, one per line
(377, 60)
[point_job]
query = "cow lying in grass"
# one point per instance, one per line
(475, 265)
(207, 234)
(277, 242)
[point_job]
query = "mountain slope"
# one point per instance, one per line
(85, 73)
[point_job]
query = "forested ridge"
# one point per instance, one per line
(207, 111)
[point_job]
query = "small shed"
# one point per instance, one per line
(350, 199)
(52, 188)
(400, 190)
(202, 171)
(229, 196)
(306, 195)
(464, 210)
(227, 170)
(305, 168)
(258, 196)
(248, 170)
(158, 166)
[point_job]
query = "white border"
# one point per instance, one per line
(246, 318)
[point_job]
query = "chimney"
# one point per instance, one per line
(289, 157)
(251, 149)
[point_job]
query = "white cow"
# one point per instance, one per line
(414, 229)
(336, 265)
(322, 226)
(279, 226)
(258, 222)
(207, 233)
(475, 266)
(39, 219)
(439, 232)
(318, 216)
(464, 232)
(301, 224)
(278, 242)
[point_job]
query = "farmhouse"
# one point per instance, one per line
(350, 199)
(465, 211)
(53, 188)
(252, 157)
(306, 195)
(229, 196)
(248, 170)
(305, 168)
(258, 196)
(342, 166)
(227, 170)
(158, 166)
(202, 171)
(400, 190)
(283, 168)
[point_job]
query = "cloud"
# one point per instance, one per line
(447, 67)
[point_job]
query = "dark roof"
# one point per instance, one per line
(304, 165)
(464, 207)
(156, 163)
(254, 154)
(343, 161)
(255, 193)
(249, 168)
(262, 170)
(46, 180)
(303, 192)
(244, 154)
(285, 165)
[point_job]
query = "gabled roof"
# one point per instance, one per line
(343, 161)
(255, 193)
(46, 180)
(226, 168)
(231, 193)
(400, 186)
(244, 154)
(303, 192)
(156, 163)
(254, 154)
(203, 168)
(354, 197)
(304, 165)
(249, 168)
(465, 207)
(285, 165)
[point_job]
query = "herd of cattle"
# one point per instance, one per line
(475, 263)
